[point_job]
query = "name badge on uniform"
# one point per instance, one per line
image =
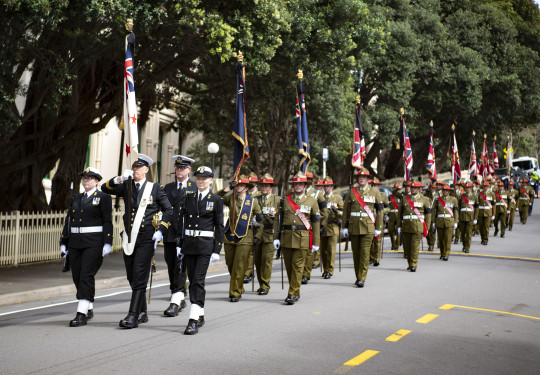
(95, 201)
(209, 206)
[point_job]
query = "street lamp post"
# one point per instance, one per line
(325, 159)
(213, 149)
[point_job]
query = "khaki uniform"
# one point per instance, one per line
(249, 271)
(313, 258)
(456, 193)
(475, 226)
(237, 255)
(523, 202)
(512, 206)
(330, 235)
(295, 241)
(501, 209)
(267, 233)
(432, 233)
(375, 251)
(361, 227)
(445, 221)
(485, 213)
(411, 227)
(467, 215)
(393, 220)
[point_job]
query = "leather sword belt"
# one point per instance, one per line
(524, 198)
(361, 214)
(444, 215)
(393, 210)
(484, 207)
(499, 204)
(466, 209)
(199, 233)
(86, 229)
(294, 227)
(411, 217)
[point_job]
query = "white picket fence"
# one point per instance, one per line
(27, 237)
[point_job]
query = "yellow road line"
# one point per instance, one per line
(398, 335)
(449, 307)
(469, 255)
(359, 359)
(427, 318)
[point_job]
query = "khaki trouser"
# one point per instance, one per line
(524, 212)
(483, 225)
(328, 253)
(308, 265)
(249, 269)
(466, 228)
(501, 216)
(445, 236)
(236, 258)
(457, 233)
(393, 233)
(361, 245)
(264, 258)
(511, 218)
(432, 236)
(411, 247)
(317, 258)
(375, 249)
(294, 260)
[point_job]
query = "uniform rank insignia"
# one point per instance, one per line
(209, 206)
(144, 202)
(95, 201)
(305, 209)
(190, 192)
(244, 217)
(248, 203)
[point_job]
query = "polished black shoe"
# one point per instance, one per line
(495, 233)
(466, 250)
(90, 314)
(296, 298)
(510, 229)
(79, 320)
(456, 241)
(484, 243)
(130, 321)
(502, 235)
(409, 268)
(192, 327)
(200, 322)
(290, 300)
(262, 292)
(314, 267)
(247, 279)
(304, 280)
(182, 305)
(233, 299)
(327, 276)
(359, 283)
(172, 310)
(413, 269)
(445, 258)
(143, 317)
(441, 257)
(430, 248)
(323, 274)
(376, 264)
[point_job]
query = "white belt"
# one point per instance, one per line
(199, 233)
(444, 215)
(86, 229)
(361, 214)
(484, 207)
(411, 217)
(499, 204)
(524, 198)
(394, 210)
(466, 209)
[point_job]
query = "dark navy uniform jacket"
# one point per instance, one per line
(206, 215)
(177, 199)
(93, 211)
(157, 201)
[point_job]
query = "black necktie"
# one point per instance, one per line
(200, 197)
(85, 195)
(137, 186)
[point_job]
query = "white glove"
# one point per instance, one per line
(345, 232)
(178, 251)
(157, 237)
(277, 244)
(455, 225)
(107, 248)
(493, 217)
(126, 174)
(517, 209)
(214, 258)
(475, 221)
(63, 251)
(399, 230)
(433, 225)
(377, 233)
(386, 217)
(314, 248)
(508, 212)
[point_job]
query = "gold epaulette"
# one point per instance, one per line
(166, 225)
(107, 184)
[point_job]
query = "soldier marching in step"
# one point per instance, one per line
(394, 203)
(501, 208)
(486, 211)
(468, 214)
(445, 219)
(330, 234)
(375, 251)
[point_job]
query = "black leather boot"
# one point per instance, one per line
(172, 310)
(79, 320)
(143, 316)
(131, 319)
(192, 327)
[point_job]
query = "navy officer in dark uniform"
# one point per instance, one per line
(176, 192)
(87, 236)
(146, 201)
(202, 242)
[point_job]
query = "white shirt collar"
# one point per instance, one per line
(299, 196)
(181, 184)
(204, 193)
(89, 193)
(141, 182)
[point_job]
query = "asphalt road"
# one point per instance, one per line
(471, 315)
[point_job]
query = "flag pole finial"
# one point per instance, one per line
(473, 133)
(495, 138)
(402, 111)
(453, 127)
(431, 123)
(485, 135)
(129, 24)
(300, 75)
(239, 57)
(357, 99)
(507, 137)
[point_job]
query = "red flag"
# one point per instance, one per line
(473, 166)
(495, 158)
(484, 161)
(432, 169)
(359, 146)
(456, 168)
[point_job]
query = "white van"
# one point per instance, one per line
(525, 164)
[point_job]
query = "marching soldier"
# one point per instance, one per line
(432, 193)
(202, 242)
(264, 251)
(253, 192)
(468, 215)
(525, 199)
(513, 197)
(318, 184)
(445, 219)
(330, 235)
(501, 208)
(476, 189)
(415, 216)
(485, 211)
(394, 203)
(146, 201)
(363, 212)
(299, 233)
(87, 236)
(239, 238)
(456, 193)
(312, 258)
(375, 251)
(176, 193)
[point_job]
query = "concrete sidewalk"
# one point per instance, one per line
(40, 281)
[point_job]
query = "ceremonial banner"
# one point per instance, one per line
(495, 158)
(432, 169)
(129, 119)
(359, 146)
(484, 161)
(301, 123)
(473, 166)
(241, 147)
(407, 150)
(456, 168)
